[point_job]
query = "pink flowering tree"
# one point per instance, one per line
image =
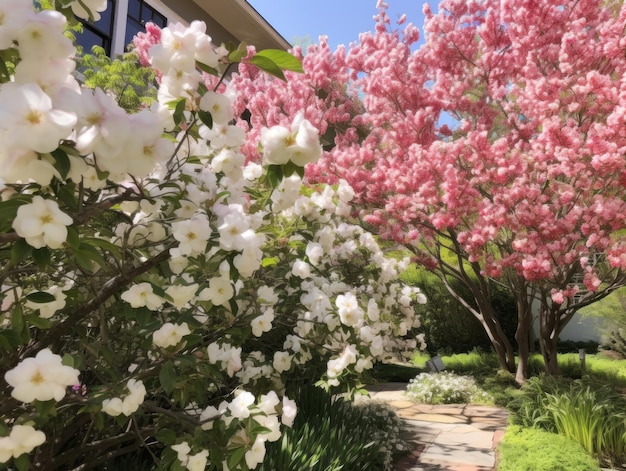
(158, 292)
(494, 151)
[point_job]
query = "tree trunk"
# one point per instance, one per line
(548, 338)
(524, 326)
(548, 350)
(523, 352)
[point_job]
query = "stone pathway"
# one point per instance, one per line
(457, 437)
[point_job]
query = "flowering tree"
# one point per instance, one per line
(157, 291)
(525, 188)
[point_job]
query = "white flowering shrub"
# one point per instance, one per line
(157, 292)
(445, 388)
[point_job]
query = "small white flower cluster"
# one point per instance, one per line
(130, 403)
(388, 429)
(445, 388)
(247, 413)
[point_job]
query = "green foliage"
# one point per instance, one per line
(449, 327)
(527, 449)
(331, 434)
(592, 414)
(612, 310)
(123, 77)
(446, 388)
(475, 363)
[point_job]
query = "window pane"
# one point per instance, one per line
(146, 13)
(159, 19)
(134, 9)
(88, 38)
(132, 28)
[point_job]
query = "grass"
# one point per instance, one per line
(531, 449)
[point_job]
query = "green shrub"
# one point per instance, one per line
(592, 414)
(448, 326)
(527, 449)
(445, 388)
(332, 434)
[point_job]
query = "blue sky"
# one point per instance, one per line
(340, 20)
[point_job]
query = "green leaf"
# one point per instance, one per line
(20, 251)
(73, 240)
(270, 261)
(46, 408)
(167, 377)
(236, 457)
(22, 462)
(207, 69)
(40, 297)
(68, 360)
(179, 109)
(282, 59)
(9, 339)
(274, 175)
(206, 118)
(290, 168)
(267, 65)
(236, 55)
(17, 319)
(166, 436)
(86, 255)
(62, 162)
(8, 210)
(39, 322)
(42, 257)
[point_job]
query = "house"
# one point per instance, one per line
(226, 20)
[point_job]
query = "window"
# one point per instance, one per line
(140, 13)
(99, 33)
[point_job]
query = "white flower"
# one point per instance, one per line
(41, 378)
(239, 407)
(113, 406)
(182, 450)
(193, 235)
(268, 402)
(131, 402)
(300, 145)
(282, 361)
(42, 223)
(218, 105)
(181, 294)
(22, 439)
(266, 295)
(141, 295)
(84, 8)
(14, 13)
(198, 461)
(256, 454)
(248, 261)
(286, 193)
(289, 411)
(170, 334)
(219, 292)
(27, 111)
(262, 323)
(301, 269)
(349, 311)
(314, 252)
